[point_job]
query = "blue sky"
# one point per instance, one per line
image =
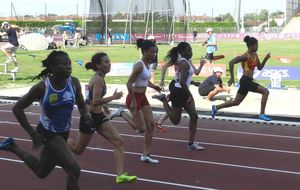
(198, 7)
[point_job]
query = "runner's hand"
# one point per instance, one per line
(89, 122)
(36, 140)
(133, 108)
(117, 95)
(268, 56)
(231, 81)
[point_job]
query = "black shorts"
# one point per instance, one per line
(178, 97)
(99, 119)
(48, 135)
(246, 85)
(209, 56)
(206, 91)
(172, 85)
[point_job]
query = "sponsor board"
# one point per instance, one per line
(206, 71)
(286, 73)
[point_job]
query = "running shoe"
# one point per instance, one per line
(116, 113)
(148, 158)
(160, 127)
(159, 97)
(213, 111)
(125, 178)
(15, 70)
(6, 143)
(264, 117)
(194, 146)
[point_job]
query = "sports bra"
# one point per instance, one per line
(250, 64)
(144, 77)
(190, 74)
(89, 97)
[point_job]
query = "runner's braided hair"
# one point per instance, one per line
(144, 44)
(50, 60)
(172, 54)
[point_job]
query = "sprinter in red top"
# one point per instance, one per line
(249, 61)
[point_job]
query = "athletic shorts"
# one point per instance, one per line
(246, 85)
(141, 100)
(10, 47)
(206, 91)
(209, 56)
(48, 135)
(172, 85)
(99, 119)
(178, 97)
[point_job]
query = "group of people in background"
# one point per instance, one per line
(58, 91)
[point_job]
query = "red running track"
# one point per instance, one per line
(237, 156)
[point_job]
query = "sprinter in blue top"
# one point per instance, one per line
(96, 100)
(57, 93)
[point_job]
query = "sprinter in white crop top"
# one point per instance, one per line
(142, 78)
(136, 101)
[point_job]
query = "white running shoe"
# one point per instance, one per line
(15, 70)
(149, 159)
(116, 113)
(195, 146)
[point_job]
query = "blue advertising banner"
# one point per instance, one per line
(287, 73)
(115, 36)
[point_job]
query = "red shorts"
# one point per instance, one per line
(141, 100)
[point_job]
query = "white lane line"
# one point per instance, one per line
(183, 127)
(184, 141)
(139, 179)
(229, 118)
(193, 160)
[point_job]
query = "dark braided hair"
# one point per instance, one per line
(144, 44)
(50, 60)
(250, 41)
(95, 59)
(172, 54)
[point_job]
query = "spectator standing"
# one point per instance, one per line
(211, 45)
(11, 47)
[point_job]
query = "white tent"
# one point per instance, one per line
(33, 41)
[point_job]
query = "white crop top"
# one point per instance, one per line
(190, 74)
(144, 77)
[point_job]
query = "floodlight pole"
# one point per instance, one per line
(106, 20)
(242, 15)
(125, 32)
(147, 22)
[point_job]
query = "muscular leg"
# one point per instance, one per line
(191, 110)
(65, 158)
(110, 133)
(237, 100)
(41, 167)
(265, 94)
(80, 144)
(174, 113)
(149, 120)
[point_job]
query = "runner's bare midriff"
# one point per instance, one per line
(139, 89)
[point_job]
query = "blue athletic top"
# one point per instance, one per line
(90, 94)
(57, 107)
(211, 40)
